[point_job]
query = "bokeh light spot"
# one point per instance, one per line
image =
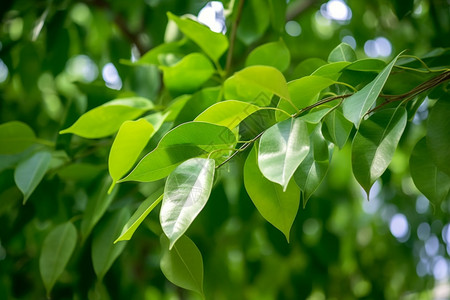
(399, 226)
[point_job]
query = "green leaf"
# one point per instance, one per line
(153, 56)
(15, 137)
(96, 207)
(438, 134)
(307, 67)
(277, 11)
(429, 180)
(343, 52)
(227, 113)
(304, 92)
(367, 65)
(139, 215)
(250, 83)
(331, 70)
(375, 143)
(106, 119)
(186, 141)
(156, 119)
(197, 103)
(316, 114)
(277, 207)
(30, 172)
(186, 192)
(182, 264)
(274, 54)
(56, 251)
(189, 74)
(314, 167)
(338, 128)
(281, 150)
(357, 105)
(104, 251)
(254, 21)
(128, 144)
(212, 43)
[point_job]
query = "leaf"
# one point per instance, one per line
(104, 252)
(438, 134)
(281, 150)
(189, 74)
(254, 21)
(316, 114)
(277, 207)
(343, 52)
(307, 67)
(106, 119)
(375, 143)
(274, 54)
(304, 92)
(314, 167)
(212, 43)
(338, 128)
(331, 70)
(186, 141)
(128, 144)
(248, 85)
(227, 113)
(186, 192)
(96, 207)
(152, 57)
(30, 172)
(56, 251)
(182, 264)
(277, 11)
(357, 105)
(15, 137)
(156, 119)
(367, 65)
(429, 180)
(197, 103)
(139, 215)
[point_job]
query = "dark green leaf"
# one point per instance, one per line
(338, 128)
(438, 134)
(186, 192)
(254, 21)
(15, 137)
(274, 54)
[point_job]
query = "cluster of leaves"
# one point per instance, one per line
(292, 128)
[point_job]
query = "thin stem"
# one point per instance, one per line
(277, 109)
(45, 142)
(233, 36)
(242, 148)
(347, 85)
(323, 101)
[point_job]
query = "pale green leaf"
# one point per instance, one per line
(274, 54)
(429, 180)
(186, 192)
(277, 207)
(15, 137)
(375, 143)
(128, 144)
(182, 264)
(316, 114)
(212, 43)
(281, 150)
(56, 251)
(186, 141)
(227, 113)
(106, 119)
(331, 70)
(307, 67)
(139, 215)
(30, 172)
(104, 252)
(189, 74)
(357, 105)
(343, 52)
(438, 134)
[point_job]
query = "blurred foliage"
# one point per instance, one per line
(59, 59)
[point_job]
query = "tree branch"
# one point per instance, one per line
(233, 36)
(298, 8)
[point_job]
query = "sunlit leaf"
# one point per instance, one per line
(106, 119)
(186, 192)
(15, 137)
(274, 54)
(367, 65)
(432, 182)
(278, 207)
(30, 172)
(338, 128)
(182, 264)
(56, 251)
(331, 70)
(343, 52)
(375, 143)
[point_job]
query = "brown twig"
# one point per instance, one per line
(298, 8)
(233, 36)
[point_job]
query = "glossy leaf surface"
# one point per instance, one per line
(343, 52)
(338, 128)
(278, 207)
(15, 137)
(186, 192)
(274, 54)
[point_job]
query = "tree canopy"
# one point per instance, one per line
(235, 149)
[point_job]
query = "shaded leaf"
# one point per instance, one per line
(338, 128)
(30, 172)
(186, 192)
(106, 119)
(343, 52)
(281, 150)
(254, 21)
(357, 105)
(182, 264)
(278, 207)
(15, 137)
(438, 134)
(367, 65)
(56, 251)
(429, 180)
(375, 143)
(274, 54)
